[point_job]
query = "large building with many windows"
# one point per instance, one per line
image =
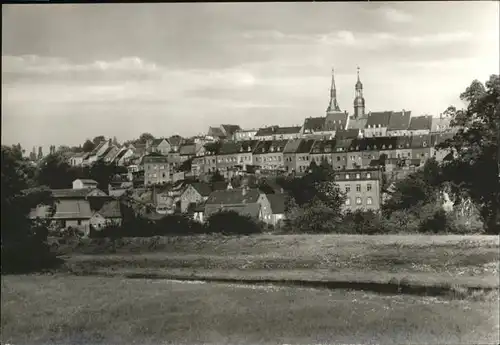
(362, 188)
(156, 169)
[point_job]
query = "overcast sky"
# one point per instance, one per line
(71, 72)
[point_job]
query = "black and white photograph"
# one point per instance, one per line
(240, 173)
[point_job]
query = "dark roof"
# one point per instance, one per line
(111, 209)
(157, 142)
(276, 130)
(350, 133)
(121, 154)
(233, 197)
(387, 143)
(98, 147)
(277, 202)
(420, 122)
(230, 129)
(314, 123)
(342, 144)
(399, 120)
(323, 146)
(175, 140)
(107, 151)
(381, 118)
(305, 146)
(292, 145)
(269, 146)
(220, 185)
(357, 123)
(359, 144)
(228, 148)
(420, 141)
(247, 145)
(189, 149)
(335, 121)
(202, 188)
(215, 132)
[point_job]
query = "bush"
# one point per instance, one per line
(27, 256)
(231, 223)
(362, 222)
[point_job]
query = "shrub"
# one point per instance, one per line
(230, 222)
(362, 222)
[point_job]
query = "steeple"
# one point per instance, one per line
(333, 105)
(359, 101)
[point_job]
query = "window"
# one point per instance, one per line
(369, 200)
(347, 201)
(358, 176)
(347, 176)
(347, 189)
(369, 187)
(358, 188)
(338, 158)
(358, 201)
(368, 175)
(79, 222)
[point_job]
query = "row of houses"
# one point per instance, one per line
(374, 124)
(295, 155)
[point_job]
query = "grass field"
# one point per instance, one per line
(376, 258)
(45, 309)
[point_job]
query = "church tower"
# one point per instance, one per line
(333, 106)
(359, 101)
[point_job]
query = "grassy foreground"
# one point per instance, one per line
(429, 259)
(56, 309)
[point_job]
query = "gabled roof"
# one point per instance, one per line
(110, 209)
(381, 118)
(220, 185)
(420, 123)
(107, 151)
(175, 140)
(359, 144)
(215, 132)
(335, 121)
(342, 145)
(399, 121)
(158, 141)
(269, 146)
(202, 188)
(233, 197)
(314, 123)
(387, 143)
(121, 154)
(98, 147)
(230, 129)
(305, 146)
(277, 202)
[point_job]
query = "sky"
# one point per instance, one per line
(76, 71)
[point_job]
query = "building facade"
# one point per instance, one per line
(156, 170)
(362, 188)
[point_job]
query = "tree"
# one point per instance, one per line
(97, 140)
(144, 137)
(186, 165)
(88, 146)
(55, 172)
(472, 167)
(23, 240)
(103, 173)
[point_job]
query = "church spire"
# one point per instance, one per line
(359, 101)
(333, 106)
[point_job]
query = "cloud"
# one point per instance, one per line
(395, 16)
(361, 40)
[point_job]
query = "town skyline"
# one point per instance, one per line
(179, 68)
